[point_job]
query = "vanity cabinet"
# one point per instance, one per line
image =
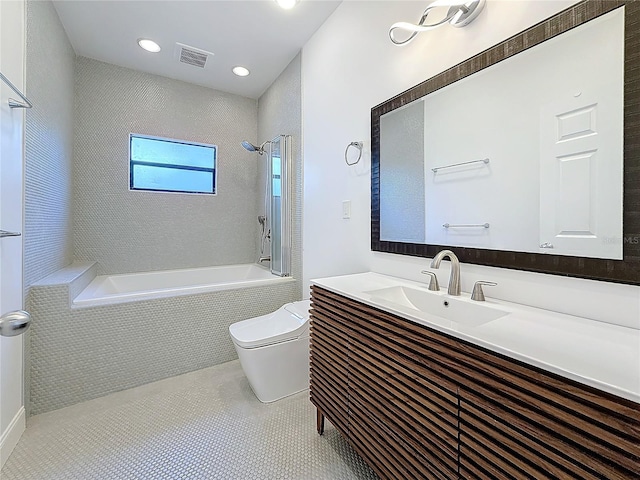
(384, 385)
(417, 403)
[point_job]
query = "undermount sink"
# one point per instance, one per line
(459, 310)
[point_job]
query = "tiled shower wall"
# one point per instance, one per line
(135, 231)
(280, 113)
(48, 239)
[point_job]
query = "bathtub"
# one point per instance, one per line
(123, 331)
(109, 289)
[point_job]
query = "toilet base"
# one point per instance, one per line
(276, 371)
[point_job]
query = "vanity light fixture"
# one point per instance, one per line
(149, 45)
(461, 13)
(287, 4)
(240, 71)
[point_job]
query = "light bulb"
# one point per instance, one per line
(287, 4)
(149, 45)
(240, 71)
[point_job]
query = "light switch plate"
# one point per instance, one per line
(346, 209)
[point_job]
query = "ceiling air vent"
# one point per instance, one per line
(191, 55)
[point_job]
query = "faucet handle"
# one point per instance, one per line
(433, 281)
(478, 294)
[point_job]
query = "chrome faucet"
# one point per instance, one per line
(454, 276)
(264, 259)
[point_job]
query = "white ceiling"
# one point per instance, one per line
(257, 34)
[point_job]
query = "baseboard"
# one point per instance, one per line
(10, 437)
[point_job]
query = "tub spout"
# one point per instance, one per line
(264, 259)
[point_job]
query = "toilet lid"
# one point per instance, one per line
(287, 323)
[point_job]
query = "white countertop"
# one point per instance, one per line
(602, 355)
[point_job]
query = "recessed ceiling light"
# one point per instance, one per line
(287, 4)
(149, 45)
(240, 71)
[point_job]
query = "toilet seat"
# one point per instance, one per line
(289, 322)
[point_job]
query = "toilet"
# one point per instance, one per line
(274, 351)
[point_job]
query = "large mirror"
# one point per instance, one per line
(520, 159)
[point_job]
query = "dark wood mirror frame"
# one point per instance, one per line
(620, 271)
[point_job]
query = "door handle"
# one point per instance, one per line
(4, 233)
(14, 323)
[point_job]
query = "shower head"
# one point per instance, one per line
(252, 148)
(249, 146)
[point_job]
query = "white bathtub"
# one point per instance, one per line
(108, 289)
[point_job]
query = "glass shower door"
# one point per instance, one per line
(280, 175)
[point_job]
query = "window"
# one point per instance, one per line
(166, 165)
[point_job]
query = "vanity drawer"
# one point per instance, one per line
(431, 359)
(426, 432)
(519, 418)
(409, 391)
(395, 450)
(496, 443)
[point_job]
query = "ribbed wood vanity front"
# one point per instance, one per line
(418, 403)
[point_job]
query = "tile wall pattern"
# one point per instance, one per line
(280, 113)
(48, 240)
(47, 235)
(135, 231)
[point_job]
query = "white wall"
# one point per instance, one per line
(349, 66)
(12, 417)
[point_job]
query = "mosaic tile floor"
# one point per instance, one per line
(202, 425)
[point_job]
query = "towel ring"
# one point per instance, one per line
(358, 145)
